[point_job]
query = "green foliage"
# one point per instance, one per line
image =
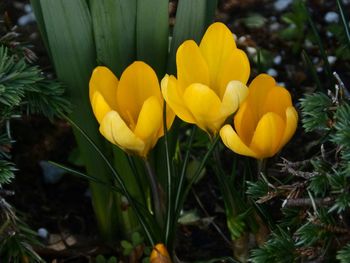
(318, 199)
(16, 239)
(295, 31)
(23, 87)
(257, 189)
(23, 90)
(279, 248)
(129, 246)
(315, 112)
(6, 172)
(102, 259)
(343, 255)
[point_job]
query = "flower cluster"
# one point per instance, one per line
(210, 86)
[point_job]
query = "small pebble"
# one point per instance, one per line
(274, 26)
(329, 34)
(28, 8)
(308, 43)
(331, 17)
(26, 19)
(251, 51)
(281, 84)
(277, 60)
(319, 69)
(331, 59)
(315, 60)
(242, 39)
(273, 19)
(234, 37)
(51, 173)
(281, 5)
(87, 193)
(43, 233)
(272, 72)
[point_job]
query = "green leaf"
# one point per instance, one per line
(254, 21)
(190, 23)
(343, 255)
(70, 38)
(114, 24)
(152, 33)
(210, 11)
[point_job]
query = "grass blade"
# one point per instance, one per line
(312, 70)
(118, 179)
(86, 176)
(345, 20)
(327, 67)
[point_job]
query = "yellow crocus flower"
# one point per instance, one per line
(160, 254)
(129, 111)
(264, 123)
(210, 81)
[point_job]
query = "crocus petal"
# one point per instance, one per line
(278, 100)
(245, 121)
(204, 105)
(216, 46)
(115, 130)
(232, 141)
(235, 93)
(106, 83)
(291, 125)
(173, 97)
(137, 83)
(236, 67)
(149, 122)
(259, 89)
(191, 66)
(159, 254)
(99, 106)
(268, 135)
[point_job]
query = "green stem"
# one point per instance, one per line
(261, 167)
(183, 170)
(169, 209)
(157, 203)
(197, 174)
(119, 180)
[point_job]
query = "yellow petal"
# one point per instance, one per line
(137, 83)
(160, 254)
(191, 66)
(232, 141)
(149, 123)
(173, 97)
(205, 107)
(278, 100)
(291, 125)
(236, 67)
(115, 130)
(216, 46)
(268, 135)
(99, 106)
(106, 83)
(259, 89)
(235, 93)
(245, 121)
